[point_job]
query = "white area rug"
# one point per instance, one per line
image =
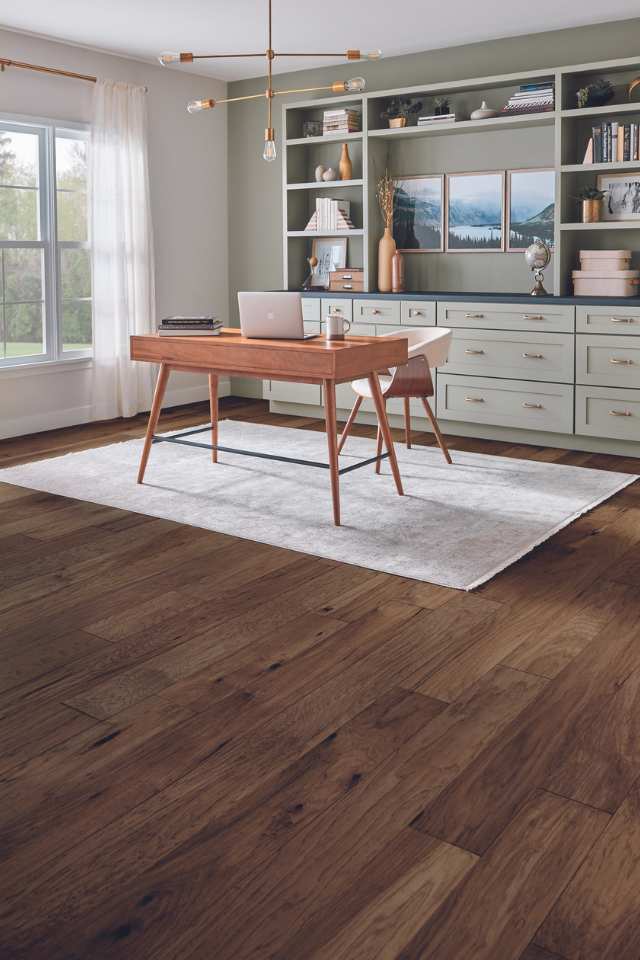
(457, 525)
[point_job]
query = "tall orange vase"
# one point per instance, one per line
(345, 166)
(386, 250)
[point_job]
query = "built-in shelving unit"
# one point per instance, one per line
(556, 139)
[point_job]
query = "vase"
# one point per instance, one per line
(386, 250)
(591, 211)
(397, 273)
(345, 166)
(398, 122)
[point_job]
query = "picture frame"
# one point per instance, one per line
(530, 207)
(331, 253)
(418, 213)
(480, 198)
(622, 200)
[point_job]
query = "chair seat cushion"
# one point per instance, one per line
(363, 389)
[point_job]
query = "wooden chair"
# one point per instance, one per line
(428, 349)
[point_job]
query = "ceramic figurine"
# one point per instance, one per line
(330, 174)
(319, 173)
(484, 112)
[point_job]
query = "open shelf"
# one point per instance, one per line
(600, 167)
(327, 138)
(325, 185)
(603, 225)
(611, 109)
(466, 126)
(325, 233)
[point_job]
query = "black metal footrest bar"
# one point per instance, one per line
(178, 438)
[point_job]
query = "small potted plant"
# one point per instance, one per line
(398, 110)
(595, 94)
(441, 106)
(591, 199)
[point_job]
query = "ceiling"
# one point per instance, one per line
(144, 28)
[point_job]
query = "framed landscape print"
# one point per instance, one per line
(332, 255)
(530, 208)
(622, 200)
(475, 212)
(418, 214)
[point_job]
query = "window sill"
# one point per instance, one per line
(45, 366)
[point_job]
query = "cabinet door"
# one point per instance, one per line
(418, 313)
(340, 305)
(608, 320)
(376, 311)
(608, 412)
(608, 361)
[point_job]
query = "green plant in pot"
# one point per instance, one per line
(595, 94)
(398, 110)
(591, 199)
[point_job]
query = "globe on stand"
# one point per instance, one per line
(538, 256)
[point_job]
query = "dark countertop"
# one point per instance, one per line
(479, 298)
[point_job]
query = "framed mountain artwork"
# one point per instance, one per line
(475, 212)
(530, 208)
(418, 214)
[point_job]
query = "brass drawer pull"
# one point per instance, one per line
(621, 360)
(532, 406)
(620, 413)
(474, 353)
(533, 356)
(346, 276)
(474, 316)
(376, 312)
(621, 319)
(347, 286)
(416, 313)
(533, 316)
(474, 399)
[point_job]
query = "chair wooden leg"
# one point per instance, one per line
(407, 422)
(332, 443)
(436, 430)
(378, 448)
(154, 416)
(213, 400)
(349, 423)
(381, 410)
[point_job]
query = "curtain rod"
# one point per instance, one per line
(33, 66)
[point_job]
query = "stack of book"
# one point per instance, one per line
(189, 327)
(330, 215)
(435, 118)
(344, 120)
(613, 142)
(531, 98)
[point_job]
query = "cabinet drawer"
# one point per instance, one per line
(608, 361)
(311, 309)
(418, 313)
(523, 356)
(608, 320)
(606, 412)
(506, 403)
(376, 311)
(507, 316)
(341, 305)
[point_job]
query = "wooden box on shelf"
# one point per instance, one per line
(347, 279)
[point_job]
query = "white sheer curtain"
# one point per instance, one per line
(122, 248)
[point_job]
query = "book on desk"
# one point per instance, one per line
(179, 326)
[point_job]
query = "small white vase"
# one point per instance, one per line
(484, 112)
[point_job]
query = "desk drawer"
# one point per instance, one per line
(608, 361)
(522, 356)
(506, 403)
(624, 320)
(376, 311)
(507, 316)
(341, 305)
(607, 412)
(418, 313)
(311, 309)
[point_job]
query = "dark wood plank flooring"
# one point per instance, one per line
(221, 750)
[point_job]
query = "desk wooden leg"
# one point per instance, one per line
(154, 416)
(332, 443)
(213, 401)
(383, 423)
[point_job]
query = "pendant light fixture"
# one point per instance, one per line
(355, 85)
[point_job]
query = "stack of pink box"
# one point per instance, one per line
(606, 273)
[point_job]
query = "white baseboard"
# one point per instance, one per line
(73, 416)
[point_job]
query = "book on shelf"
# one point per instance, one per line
(343, 120)
(330, 215)
(613, 142)
(437, 118)
(531, 98)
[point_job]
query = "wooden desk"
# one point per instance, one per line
(302, 361)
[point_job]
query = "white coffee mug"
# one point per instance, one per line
(336, 326)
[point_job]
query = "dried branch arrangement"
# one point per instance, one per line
(385, 191)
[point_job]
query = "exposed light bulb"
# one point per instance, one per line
(269, 153)
(355, 85)
(166, 58)
(373, 55)
(195, 106)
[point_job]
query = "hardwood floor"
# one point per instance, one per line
(220, 750)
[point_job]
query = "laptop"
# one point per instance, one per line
(272, 316)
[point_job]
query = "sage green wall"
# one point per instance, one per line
(255, 193)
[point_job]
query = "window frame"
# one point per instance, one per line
(47, 130)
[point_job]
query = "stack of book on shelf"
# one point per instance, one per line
(435, 118)
(189, 327)
(330, 215)
(531, 98)
(344, 120)
(613, 142)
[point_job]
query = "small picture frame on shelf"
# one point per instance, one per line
(331, 254)
(530, 208)
(475, 212)
(622, 196)
(418, 214)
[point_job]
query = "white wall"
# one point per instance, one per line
(188, 170)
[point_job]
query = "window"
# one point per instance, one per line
(45, 265)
